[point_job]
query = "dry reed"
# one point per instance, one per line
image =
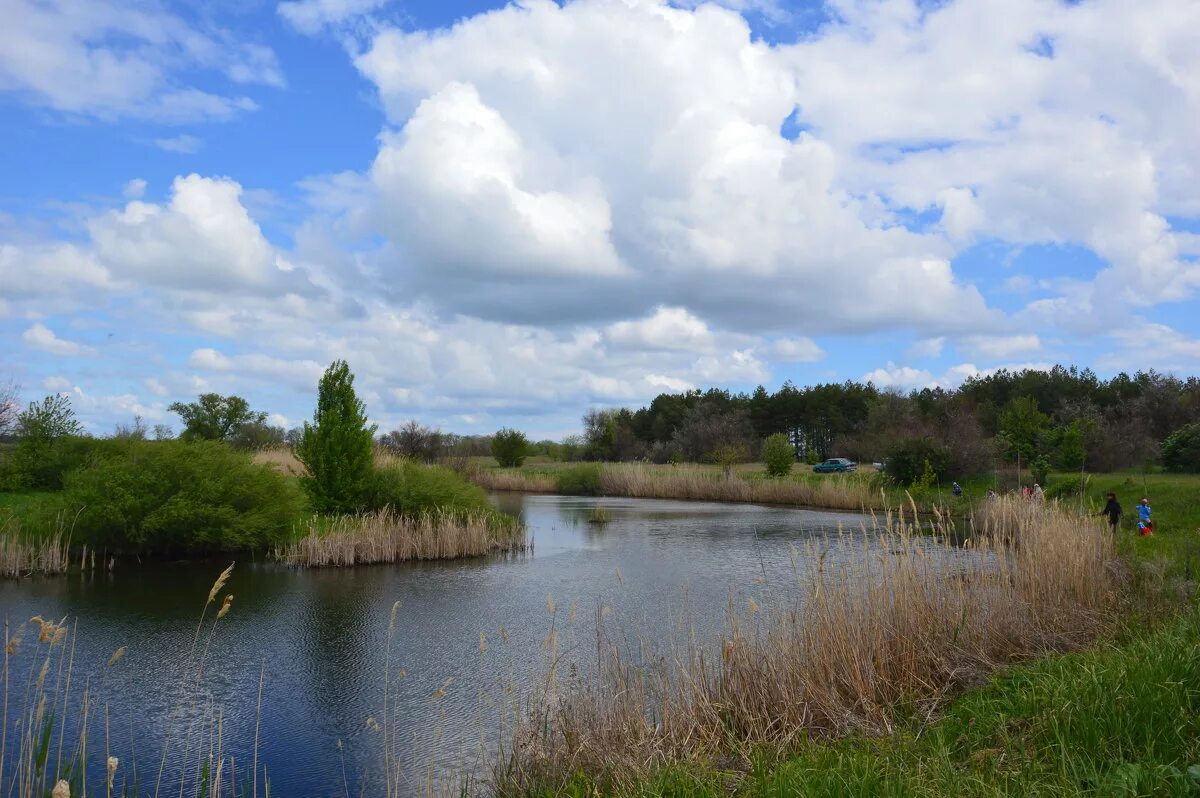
(696, 483)
(895, 628)
(388, 536)
(23, 553)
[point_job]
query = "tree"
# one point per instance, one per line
(41, 429)
(510, 447)
(778, 455)
(214, 417)
(1181, 449)
(9, 407)
(416, 441)
(256, 436)
(916, 459)
(48, 420)
(1021, 424)
(338, 447)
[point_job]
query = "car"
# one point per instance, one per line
(835, 464)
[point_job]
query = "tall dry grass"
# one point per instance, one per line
(57, 738)
(23, 553)
(849, 648)
(388, 536)
(696, 483)
(501, 479)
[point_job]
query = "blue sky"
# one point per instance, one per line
(507, 214)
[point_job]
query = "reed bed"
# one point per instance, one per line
(388, 536)
(23, 553)
(695, 483)
(498, 479)
(849, 649)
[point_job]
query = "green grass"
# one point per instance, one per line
(1121, 720)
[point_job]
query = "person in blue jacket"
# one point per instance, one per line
(1145, 525)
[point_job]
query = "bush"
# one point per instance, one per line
(580, 480)
(411, 489)
(1181, 449)
(338, 448)
(1069, 487)
(171, 496)
(915, 459)
(1039, 469)
(510, 447)
(778, 455)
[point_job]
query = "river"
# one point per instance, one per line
(470, 634)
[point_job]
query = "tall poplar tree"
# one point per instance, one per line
(337, 448)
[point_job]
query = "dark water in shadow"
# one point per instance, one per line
(319, 636)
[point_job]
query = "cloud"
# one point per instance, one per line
(134, 189)
(107, 59)
(56, 384)
(182, 143)
(203, 240)
(517, 187)
(312, 16)
(1000, 346)
(926, 348)
(796, 350)
(41, 337)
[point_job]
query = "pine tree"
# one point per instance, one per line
(338, 447)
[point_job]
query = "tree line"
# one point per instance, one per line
(1064, 418)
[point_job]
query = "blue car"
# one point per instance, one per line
(834, 465)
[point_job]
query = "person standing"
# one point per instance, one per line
(957, 489)
(1038, 494)
(1112, 509)
(1145, 525)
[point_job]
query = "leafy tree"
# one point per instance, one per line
(1021, 425)
(213, 417)
(1181, 450)
(43, 432)
(1071, 450)
(1039, 469)
(510, 447)
(48, 420)
(338, 447)
(911, 461)
(778, 455)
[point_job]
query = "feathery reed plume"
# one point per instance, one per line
(116, 656)
(221, 613)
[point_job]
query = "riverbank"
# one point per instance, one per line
(845, 651)
(693, 482)
(154, 500)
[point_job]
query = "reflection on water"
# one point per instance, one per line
(319, 636)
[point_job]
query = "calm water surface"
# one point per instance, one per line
(319, 636)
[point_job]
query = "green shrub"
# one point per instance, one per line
(43, 465)
(1039, 469)
(580, 480)
(1181, 449)
(778, 455)
(915, 459)
(510, 447)
(171, 496)
(338, 448)
(412, 488)
(1068, 487)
